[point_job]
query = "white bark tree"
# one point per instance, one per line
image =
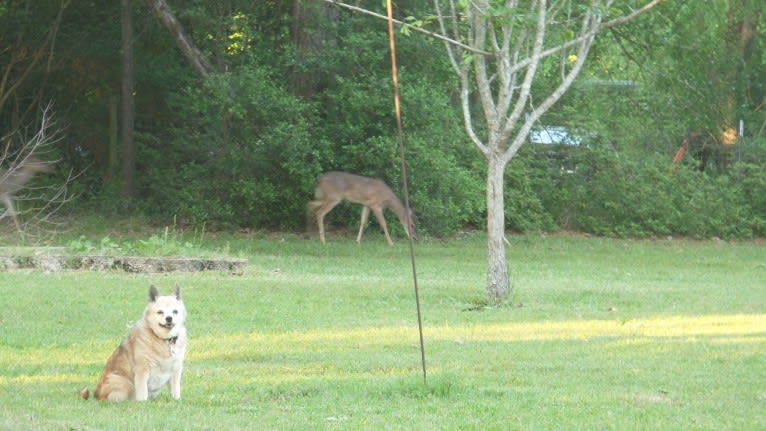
(508, 43)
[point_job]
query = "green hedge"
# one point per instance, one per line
(609, 194)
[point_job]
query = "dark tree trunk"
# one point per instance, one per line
(312, 31)
(128, 105)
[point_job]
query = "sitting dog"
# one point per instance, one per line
(151, 356)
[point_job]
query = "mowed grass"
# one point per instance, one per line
(597, 334)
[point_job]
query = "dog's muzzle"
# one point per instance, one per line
(168, 323)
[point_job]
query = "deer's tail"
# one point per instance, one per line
(317, 202)
(313, 205)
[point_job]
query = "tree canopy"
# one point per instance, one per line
(294, 89)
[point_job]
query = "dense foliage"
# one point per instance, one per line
(295, 94)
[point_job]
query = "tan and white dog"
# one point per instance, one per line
(151, 356)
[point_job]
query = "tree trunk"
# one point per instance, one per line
(128, 104)
(110, 171)
(497, 268)
(312, 32)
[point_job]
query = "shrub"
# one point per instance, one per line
(612, 195)
(243, 161)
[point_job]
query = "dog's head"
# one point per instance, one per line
(165, 314)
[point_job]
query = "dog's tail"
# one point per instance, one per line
(84, 393)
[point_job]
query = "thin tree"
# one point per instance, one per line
(311, 33)
(188, 48)
(128, 103)
(510, 44)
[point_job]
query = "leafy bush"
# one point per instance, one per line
(241, 162)
(609, 194)
(524, 210)
(446, 196)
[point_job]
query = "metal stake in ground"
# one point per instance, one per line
(405, 192)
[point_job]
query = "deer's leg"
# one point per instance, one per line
(16, 220)
(363, 222)
(320, 224)
(382, 222)
(321, 212)
(8, 201)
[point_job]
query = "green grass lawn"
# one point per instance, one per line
(598, 334)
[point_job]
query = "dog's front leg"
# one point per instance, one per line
(175, 384)
(141, 382)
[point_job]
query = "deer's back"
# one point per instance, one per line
(354, 188)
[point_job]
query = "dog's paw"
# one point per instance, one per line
(84, 393)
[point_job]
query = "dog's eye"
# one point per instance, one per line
(160, 312)
(175, 311)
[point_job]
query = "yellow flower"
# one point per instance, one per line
(572, 58)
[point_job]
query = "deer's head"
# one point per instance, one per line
(411, 225)
(34, 164)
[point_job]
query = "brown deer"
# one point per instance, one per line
(372, 194)
(14, 179)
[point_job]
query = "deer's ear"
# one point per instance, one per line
(153, 293)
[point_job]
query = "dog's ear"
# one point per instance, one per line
(177, 292)
(153, 293)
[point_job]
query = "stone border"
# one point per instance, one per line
(134, 264)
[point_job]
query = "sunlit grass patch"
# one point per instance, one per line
(723, 327)
(664, 326)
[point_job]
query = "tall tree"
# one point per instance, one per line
(511, 45)
(128, 104)
(312, 32)
(188, 48)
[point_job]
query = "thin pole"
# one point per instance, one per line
(405, 191)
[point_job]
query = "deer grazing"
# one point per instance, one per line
(14, 179)
(372, 194)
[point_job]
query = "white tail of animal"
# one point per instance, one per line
(372, 194)
(14, 179)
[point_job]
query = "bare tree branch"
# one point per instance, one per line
(453, 40)
(410, 27)
(20, 163)
(185, 43)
